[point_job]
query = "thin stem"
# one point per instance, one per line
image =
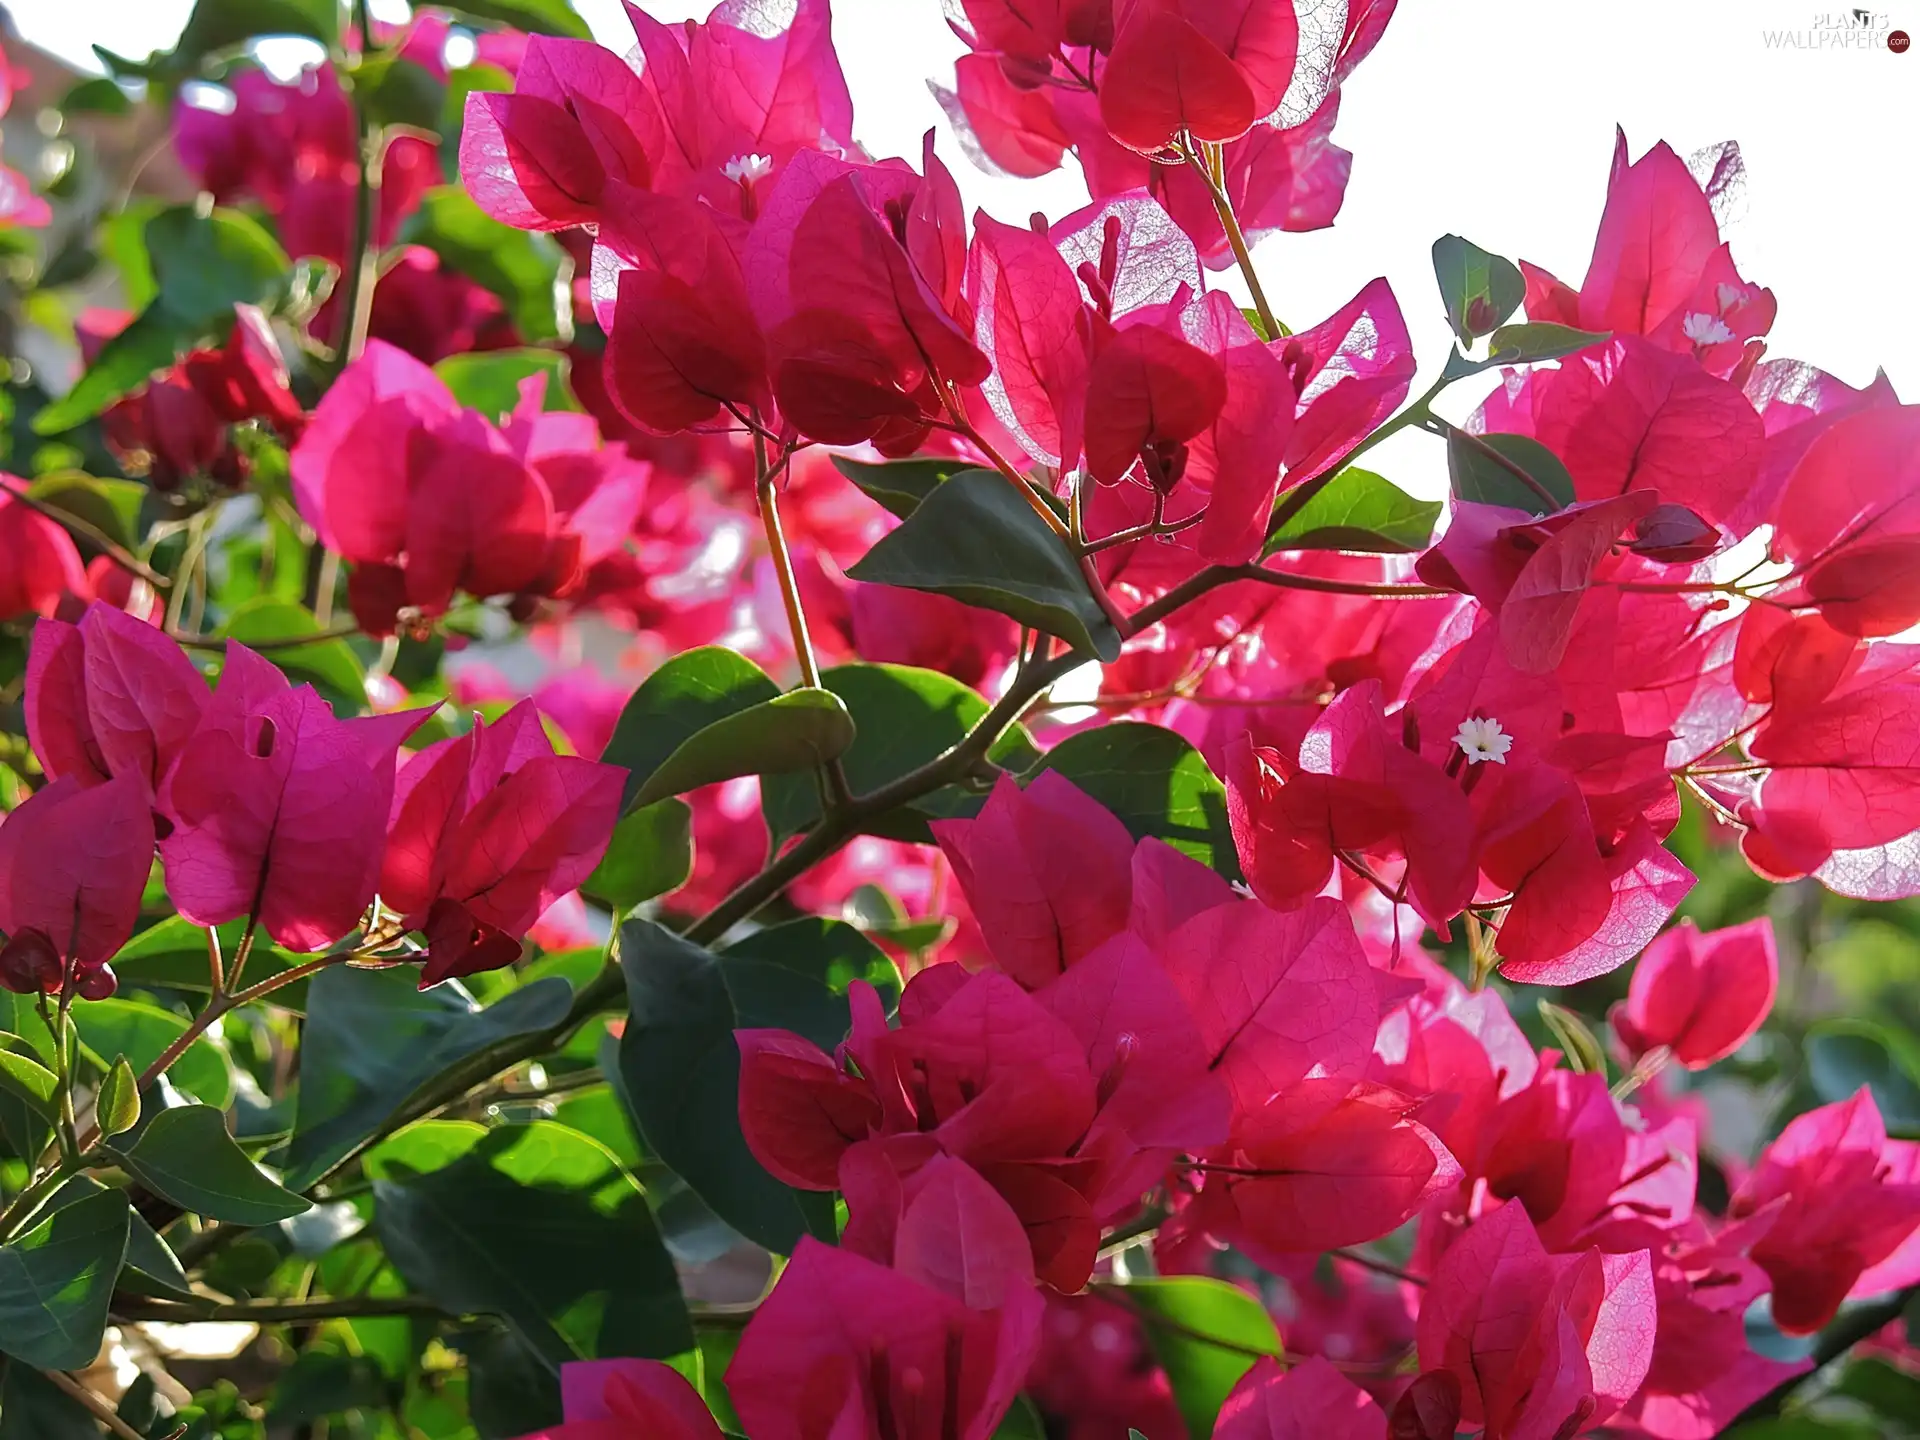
(113, 550)
(1142, 1227)
(1288, 581)
(1295, 500)
(362, 268)
(783, 564)
(1142, 532)
(92, 1404)
(966, 427)
(284, 642)
(215, 969)
(1379, 1267)
(1236, 241)
(285, 978)
(271, 1312)
(244, 950)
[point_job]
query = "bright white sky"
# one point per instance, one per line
(1490, 118)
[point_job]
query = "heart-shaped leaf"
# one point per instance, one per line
(186, 1155)
(1359, 510)
(1481, 477)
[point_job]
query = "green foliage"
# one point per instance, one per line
(1358, 510)
(1158, 785)
(1480, 290)
(901, 485)
(56, 1280)
(976, 538)
(650, 854)
(187, 1156)
(1207, 1334)
(681, 1071)
(1480, 477)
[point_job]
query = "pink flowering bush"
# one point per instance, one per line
(655, 787)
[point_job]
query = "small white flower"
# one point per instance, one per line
(1704, 329)
(748, 168)
(1483, 739)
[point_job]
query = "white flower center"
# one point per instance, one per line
(1704, 329)
(745, 169)
(1482, 739)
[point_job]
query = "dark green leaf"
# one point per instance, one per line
(330, 664)
(510, 1391)
(142, 1032)
(903, 718)
(977, 539)
(31, 1409)
(527, 271)
(98, 96)
(373, 1040)
(323, 1382)
(901, 485)
(1844, 1054)
(117, 1104)
(1207, 1334)
(202, 266)
(1524, 344)
(223, 24)
(829, 951)
(489, 380)
(1359, 510)
(539, 1224)
(147, 1253)
(1022, 1422)
(187, 1156)
(1480, 290)
(395, 91)
(681, 1072)
(651, 853)
(55, 1282)
(29, 1080)
(1158, 785)
(1478, 476)
(689, 693)
(172, 955)
(124, 363)
(111, 506)
(798, 731)
(543, 17)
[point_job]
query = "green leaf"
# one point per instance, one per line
(651, 853)
(202, 266)
(528, 271)
(1207, 1334)
(1844, 1054)
(395, 91)
(544, 17)
(510, 1390)
(1158, 785)
(31, 1082)
(711, 714)
(142, 1032)
(124, 363)
(96, 96)
(117, 1105)
(172, 955)
(901, 485)
(187, 1156)
(147, 1253)
(1022, 1422)
(903, 717)
(1479, 289)
(374, 1040)
(828, 951)
(1359, 510)
(1540, 340)
(598, 1283)
(680, 1069)
(32, 1409)
(978, 540)
(111, 506)
(800, 730)
(223, 24)
(55, 1282)
(489, 380)
(330, 664)
(23, 1126)
(1479, 477)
